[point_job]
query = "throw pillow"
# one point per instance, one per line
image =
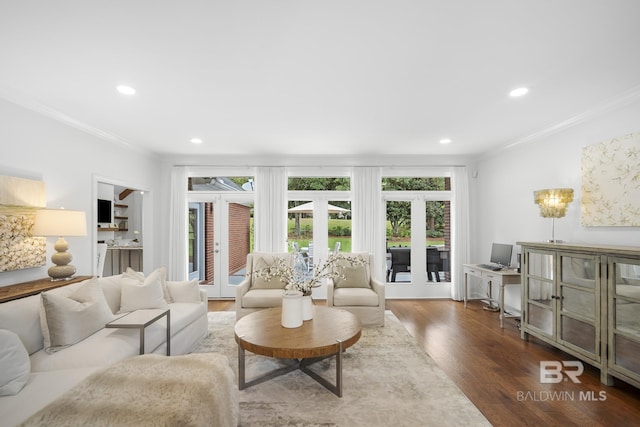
(137, 295)
(15, 362)
(187, 291)
(355, 276)
(264, 260)
(138, 275)
(70, 319)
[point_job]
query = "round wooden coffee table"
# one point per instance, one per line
(329, 333)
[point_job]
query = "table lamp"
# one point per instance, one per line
(553, 204)
(60, 222)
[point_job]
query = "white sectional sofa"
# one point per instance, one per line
(54, 370)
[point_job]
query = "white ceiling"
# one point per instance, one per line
(340, 77)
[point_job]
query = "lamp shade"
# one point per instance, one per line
(553, 202)
(60, 222)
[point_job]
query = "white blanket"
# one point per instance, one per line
(191, 390)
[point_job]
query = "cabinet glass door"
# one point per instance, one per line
(539, 291)
(624, 320)
(579, 305)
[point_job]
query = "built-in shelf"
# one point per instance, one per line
(108, 229)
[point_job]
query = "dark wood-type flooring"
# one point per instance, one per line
(499, 372)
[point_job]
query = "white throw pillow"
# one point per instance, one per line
(15, 362)
(137, 295)
(187, 291)
(138, 275)
(70, 319)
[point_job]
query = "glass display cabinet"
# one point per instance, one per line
(585, 300)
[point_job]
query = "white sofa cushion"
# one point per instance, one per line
(22, 316)
(108, 346)
(261, 298)
(184, 291)
(137, 295)
(355, 297)
(42, 389)
(71, 319)
(15, 363)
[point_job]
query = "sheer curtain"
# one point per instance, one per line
(270, 212)
(367, 235)
(461, 246)
(178, 225)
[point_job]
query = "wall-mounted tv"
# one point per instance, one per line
(104, 210)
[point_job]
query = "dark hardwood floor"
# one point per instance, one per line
(499, 372)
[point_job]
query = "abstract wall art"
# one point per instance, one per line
(611, 183)
(19, 199)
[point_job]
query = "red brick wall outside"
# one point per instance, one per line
(208, 243)
(239, 235)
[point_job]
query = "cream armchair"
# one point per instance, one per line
(255, 293)
(358, 292)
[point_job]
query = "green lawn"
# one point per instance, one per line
(306, 228)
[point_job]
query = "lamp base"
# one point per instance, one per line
(555, 241)
(61, 272)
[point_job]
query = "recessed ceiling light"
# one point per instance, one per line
(195, 141)
(126, 90)
(518, 92)
(445, 141)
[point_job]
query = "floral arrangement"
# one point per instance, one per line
(299, 279)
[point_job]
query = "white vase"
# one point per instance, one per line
(292, 309)
(307, 307)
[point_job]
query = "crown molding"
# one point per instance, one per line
(40, 108)
(626, 98)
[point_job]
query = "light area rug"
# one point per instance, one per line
(387, 381)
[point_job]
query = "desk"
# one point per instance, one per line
(501, 278)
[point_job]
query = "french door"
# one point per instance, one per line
(411, 270)
(220, 237)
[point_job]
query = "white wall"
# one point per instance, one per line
(502, 203)
(68, 161)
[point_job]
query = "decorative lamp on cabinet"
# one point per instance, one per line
(60, 223)
(553, 204)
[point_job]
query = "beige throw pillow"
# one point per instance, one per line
(138, 275)
(264, 260)
(185, 291)
(138, 295)
(70, 319)
(353, 276)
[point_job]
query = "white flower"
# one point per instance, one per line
(298, 279)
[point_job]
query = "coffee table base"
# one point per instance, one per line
(302, 364)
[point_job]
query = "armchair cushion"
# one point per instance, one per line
(262, 298)
(364, 297)
(262, 260)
